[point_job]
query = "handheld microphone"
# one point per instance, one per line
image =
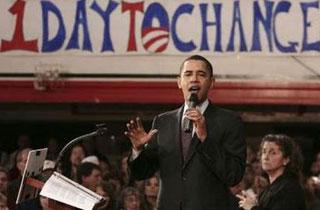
(192, 103)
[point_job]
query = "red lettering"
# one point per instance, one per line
(132, 7)
(18, 42)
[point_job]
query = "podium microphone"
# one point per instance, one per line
(192, 103)
(101, 130)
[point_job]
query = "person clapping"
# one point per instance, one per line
(281, 161)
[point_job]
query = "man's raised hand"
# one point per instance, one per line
(137, 134)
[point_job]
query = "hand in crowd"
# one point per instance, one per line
(247, 200)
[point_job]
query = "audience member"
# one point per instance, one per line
(315, 167)
(72, 160)
(3, 181)
(13, 186)
(251, 154)
(311, 187)
(151, 188)
(256, 167)
(89, 175)
(248, 178)
(282, 162)
(106, 190)
(104, 164)
(3, 202)
(116, 183)
(23, 141)
(130, 199)
(4, 157)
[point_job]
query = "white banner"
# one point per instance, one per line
(108, 36)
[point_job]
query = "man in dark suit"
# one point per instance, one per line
(194, 175)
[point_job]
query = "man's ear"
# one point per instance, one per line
(83, 179)
(179, 82)
(213, 80)
(286, 161)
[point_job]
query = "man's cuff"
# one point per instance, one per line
(134, 154)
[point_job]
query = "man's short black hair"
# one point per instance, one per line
(199, 58)
(85, 169)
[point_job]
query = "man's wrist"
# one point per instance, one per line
(202, 135)
(135, 153)
(202, 138)
(134, 149)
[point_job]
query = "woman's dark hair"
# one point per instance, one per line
(290, 149)
(146, 181)
(85, 169)
(66, 166)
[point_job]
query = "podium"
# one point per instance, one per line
(63, 193)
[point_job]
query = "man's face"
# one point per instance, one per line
(194, 77)
(92, 180)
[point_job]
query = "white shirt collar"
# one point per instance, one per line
(201, 107)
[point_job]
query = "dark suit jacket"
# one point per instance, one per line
(285, 193)
(202, 181)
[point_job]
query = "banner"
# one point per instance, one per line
(102, 33)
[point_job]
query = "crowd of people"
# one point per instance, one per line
(106, 176)
(110, 179)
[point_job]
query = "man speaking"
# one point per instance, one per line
(197, 164)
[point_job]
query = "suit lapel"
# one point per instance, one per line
(177, 133)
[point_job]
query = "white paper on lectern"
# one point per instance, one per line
(64, 190)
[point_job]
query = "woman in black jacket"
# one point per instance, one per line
(281, 160)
